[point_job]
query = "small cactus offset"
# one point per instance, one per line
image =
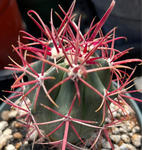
(70, 86)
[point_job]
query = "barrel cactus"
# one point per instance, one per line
(70, 86)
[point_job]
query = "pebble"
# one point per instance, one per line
(21, 112)
(25, 143)
(125, 138)
(136, 129)
(33, 136)
(22, 103)
(0, 132)
(128, 110)
(116, 146)
(3, 140)
(120, 142)
(12, 114)
(106, 145)
(10, 147)
(128, 125)
(13, 124)
(118, 116)
(17, 135)
(130, 134)
(120, 111)
(115, 130)
(107, 120)
(2, 143)
(3, 125)
(113, 106)
(115, 138)
(122, 130)
(136, 140)
(5, 115)
(125, 146)
(18, 125)
(7, 137)
(18, 145)
(7, 131)
(115, 114)
(17, 102)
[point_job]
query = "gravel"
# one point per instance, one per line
(124, 135)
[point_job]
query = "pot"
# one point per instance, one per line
(131, 103)
(10, 25)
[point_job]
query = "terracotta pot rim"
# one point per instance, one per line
(33, 2)
(3, 5)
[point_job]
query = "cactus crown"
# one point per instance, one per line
(70, 87)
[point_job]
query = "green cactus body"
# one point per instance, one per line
(63, 96)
